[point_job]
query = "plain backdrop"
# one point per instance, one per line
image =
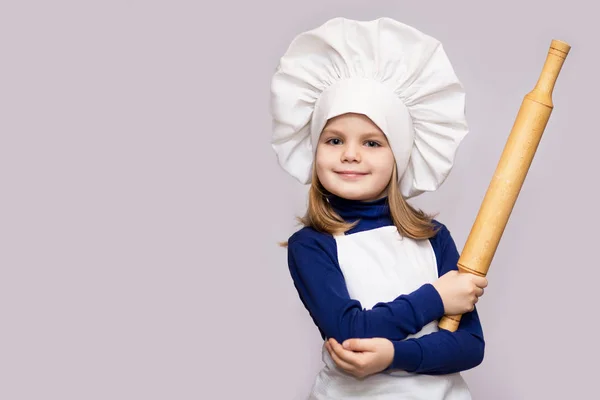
(141, 203)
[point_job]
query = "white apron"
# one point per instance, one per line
(378, 266)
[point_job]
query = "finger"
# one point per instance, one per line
(347, 356)
(359, 345)
(481, 282)
(479, 292)
(328, 347)
(339, 362)
(332, 342)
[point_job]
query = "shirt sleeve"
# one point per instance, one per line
(313, 265)
(443, 352)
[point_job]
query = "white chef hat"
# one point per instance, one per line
(397, 76)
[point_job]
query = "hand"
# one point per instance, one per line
(361, 357)
(460, 291)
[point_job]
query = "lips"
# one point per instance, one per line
(351, 174)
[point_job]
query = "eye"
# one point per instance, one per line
(372, 143)
(334, 141)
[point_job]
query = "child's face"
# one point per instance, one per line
(354, 160)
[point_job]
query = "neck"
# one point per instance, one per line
(350, 210)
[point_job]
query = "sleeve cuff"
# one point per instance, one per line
(427, 303)
(407, 355)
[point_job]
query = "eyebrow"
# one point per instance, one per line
(369, 133)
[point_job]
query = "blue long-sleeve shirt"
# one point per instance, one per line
(317, 276)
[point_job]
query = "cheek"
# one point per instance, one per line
(321, 163)
(319, 160)
(323, 157)
(385, 163)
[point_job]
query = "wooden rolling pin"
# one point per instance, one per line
(510, 174)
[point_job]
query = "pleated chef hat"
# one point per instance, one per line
(394, 74)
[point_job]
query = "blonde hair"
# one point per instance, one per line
(321, 216)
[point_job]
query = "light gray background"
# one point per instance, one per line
(141, 202)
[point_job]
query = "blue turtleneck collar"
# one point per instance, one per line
(372, 214)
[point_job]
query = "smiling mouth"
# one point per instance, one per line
(351, 174)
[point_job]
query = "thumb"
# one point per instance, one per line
(359, 345)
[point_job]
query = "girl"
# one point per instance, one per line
(371, 114)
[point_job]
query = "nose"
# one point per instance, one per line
(351, 153)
